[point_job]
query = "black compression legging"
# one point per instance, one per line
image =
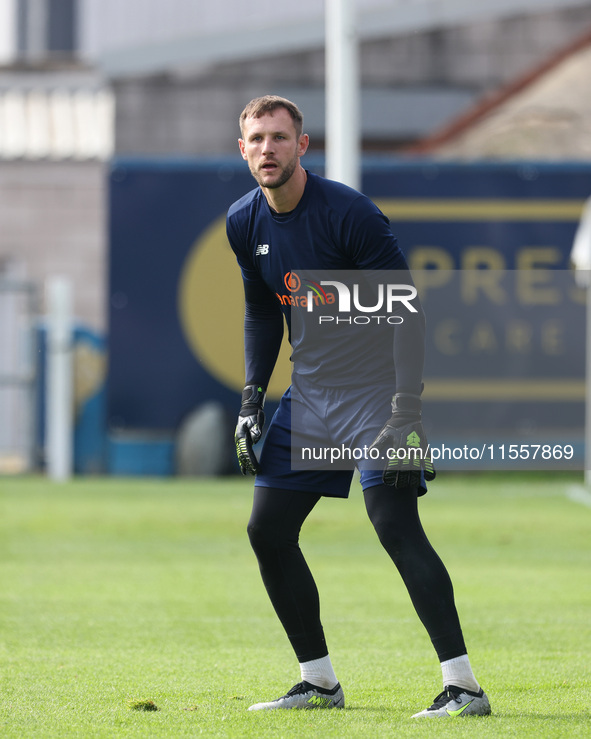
(274, 528)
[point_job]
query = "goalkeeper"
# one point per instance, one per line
(292, 222)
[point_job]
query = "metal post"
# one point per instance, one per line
(581, 259)
(342, 94)
(59, 393)
(587, 476)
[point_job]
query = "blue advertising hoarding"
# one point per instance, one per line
(175, 327)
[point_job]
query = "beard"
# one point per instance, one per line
(284, 174)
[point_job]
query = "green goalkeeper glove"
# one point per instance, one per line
(249, 428)
(404, 442)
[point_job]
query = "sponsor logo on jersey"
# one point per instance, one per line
(262, 250)
(292, 282)
(304, 295)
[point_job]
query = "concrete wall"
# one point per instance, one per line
(53, 222)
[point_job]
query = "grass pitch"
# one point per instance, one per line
(121, 594)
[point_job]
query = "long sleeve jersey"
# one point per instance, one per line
(332, 229)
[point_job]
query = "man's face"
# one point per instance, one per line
(272, 148)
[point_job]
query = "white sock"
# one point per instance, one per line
(319, 672)
(458, 672)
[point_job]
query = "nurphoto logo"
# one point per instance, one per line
(393, 294)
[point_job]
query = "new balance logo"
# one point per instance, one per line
(262, 249)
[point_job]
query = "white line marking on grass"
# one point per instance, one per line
(579, 494)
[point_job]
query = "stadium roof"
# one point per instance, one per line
(143, 37)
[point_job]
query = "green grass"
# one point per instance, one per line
(115, 592)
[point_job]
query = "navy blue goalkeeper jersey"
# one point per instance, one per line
(333, 228)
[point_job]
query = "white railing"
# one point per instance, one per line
(56, 123)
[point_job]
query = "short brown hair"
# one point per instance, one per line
(269, 103)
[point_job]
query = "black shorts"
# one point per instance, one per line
(318, 437)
